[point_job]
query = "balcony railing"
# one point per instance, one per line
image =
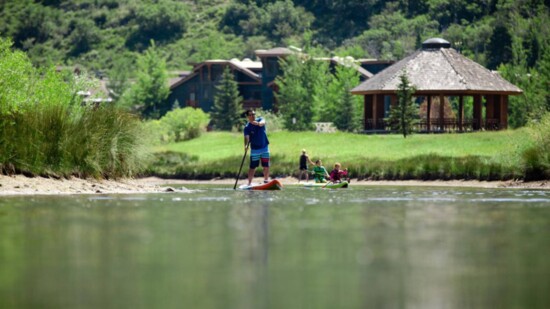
(436, 125)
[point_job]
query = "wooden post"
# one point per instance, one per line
(368, 110)
(429, 114)
(374, 112)
(477, 112)
(496, 112)
(380, 111)
(489, 111)
(441, 112)
(460, 113)
(503, 112)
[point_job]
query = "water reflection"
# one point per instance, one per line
(217, 248)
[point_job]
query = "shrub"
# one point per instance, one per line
(274, 122)
(183, 124)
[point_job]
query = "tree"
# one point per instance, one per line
(403, 115)
(150, 91)
(118, 78)
(164, 21)
(346, 116)
(297, 90)
(227, 103)
(499, 50)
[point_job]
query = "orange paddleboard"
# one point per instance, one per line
(272, 185)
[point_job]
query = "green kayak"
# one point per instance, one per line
(328, 185)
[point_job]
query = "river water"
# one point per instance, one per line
(212, 247)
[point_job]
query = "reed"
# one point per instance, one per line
(44, 129)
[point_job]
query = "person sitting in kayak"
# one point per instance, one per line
(320, 173)
(337, 173)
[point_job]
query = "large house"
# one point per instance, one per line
(255, 79)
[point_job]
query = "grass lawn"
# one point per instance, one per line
(220, 153)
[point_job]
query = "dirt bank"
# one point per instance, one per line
(21, 185)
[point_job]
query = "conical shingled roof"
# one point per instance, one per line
(437, 69)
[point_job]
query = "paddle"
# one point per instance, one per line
(240, 168)
(326, 184)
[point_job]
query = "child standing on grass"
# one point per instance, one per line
(337, 173)
(320, 173)
(304, 160)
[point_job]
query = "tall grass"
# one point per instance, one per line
(102, 142)
(536, 157)
(44, 129)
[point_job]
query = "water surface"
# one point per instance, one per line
(365, 247)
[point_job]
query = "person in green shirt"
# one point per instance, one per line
(320, 173)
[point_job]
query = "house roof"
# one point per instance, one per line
(246, 66)
(349, 61)
(274, 52)
(436, 69)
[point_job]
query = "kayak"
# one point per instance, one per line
(274, 184)
(328, 185)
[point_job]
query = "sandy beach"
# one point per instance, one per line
(22, 185)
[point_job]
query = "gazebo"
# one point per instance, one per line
(438, 71)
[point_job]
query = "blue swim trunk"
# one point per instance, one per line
(257, 155)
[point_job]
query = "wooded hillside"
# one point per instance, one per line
(98, 33)
(107, 36)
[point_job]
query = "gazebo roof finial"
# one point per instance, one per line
(435, 43)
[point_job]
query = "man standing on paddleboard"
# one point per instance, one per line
(255, 134)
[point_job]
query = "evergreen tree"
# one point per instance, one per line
(227, 103)
(403, 115)
(346, 116)
(499, 50)
(296, 92)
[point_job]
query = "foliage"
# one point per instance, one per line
(150, 91)
(274, 121)
(404, 115)
(499, 50)
(181, 124)
(347, 114)
(95, 35)
(226, 113)
(295, 99)
(276, 21)
(119, 79)
(162, 21)
(536, 157)
(45, 130)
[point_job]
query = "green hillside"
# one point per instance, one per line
(98, 33)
